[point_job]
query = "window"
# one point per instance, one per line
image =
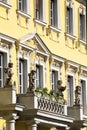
(1, 69)
(69, 21)
(22, 75)
(22, 5)
(39, 76)
(39, 11)
(82, 27)
(3, 64)
(54, 13)
(70, 90)
(54, 79)
(83, 92)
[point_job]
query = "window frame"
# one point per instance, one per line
(57, 72)
(85, 80)
(25, 8)
(26, 59)
(82, 13)
(56, 19)
(42, 11)
(71, 7)
(71, 95)
(42, 64)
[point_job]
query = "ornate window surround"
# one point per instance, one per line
(70, 4)
(82, 11)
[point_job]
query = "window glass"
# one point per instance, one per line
(69, 23)
(54, 13)
(39, 10)
(82, 27)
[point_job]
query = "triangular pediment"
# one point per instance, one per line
(40, 46)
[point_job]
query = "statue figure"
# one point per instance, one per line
(32, 82)
(9, 73)
(60, 88)
(77, 95)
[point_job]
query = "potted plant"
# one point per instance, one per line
(45, 93)
(52, 95)
(38, 91)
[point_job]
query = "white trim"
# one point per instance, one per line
(73, 64)
(41, 44)
(74, 21)
(82, 11)
(40, 22)
(71, 36)
(44, 10)
(70, 5)
(53, 116)
(69, 73)
(50, 122)
(58, 58)
(27, 37)
(58, 13)
(28, 6)
(24, 57)
(82, 41)
(43, 66)
(26, 46)
(4, 50)
(42, 53)
(23, 14)
(84, 79)
(6, 5)
(55, 29)
(7, 38)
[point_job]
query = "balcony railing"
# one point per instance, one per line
(51, 106)
(33, 101)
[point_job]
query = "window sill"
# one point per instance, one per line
(55, 29)
(40, 22)
(82, 41)
(70, 36)
(5, 5)
(23, 14)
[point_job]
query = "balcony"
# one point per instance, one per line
(34, 101)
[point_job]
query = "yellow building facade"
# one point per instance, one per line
(43, 66)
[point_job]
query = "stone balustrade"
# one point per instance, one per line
(33, 101)
(51, 106)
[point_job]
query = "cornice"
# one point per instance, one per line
(82, 2)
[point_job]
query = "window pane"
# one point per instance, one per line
(1, 70)
(54, 13)
(22, 5)
(69, 20)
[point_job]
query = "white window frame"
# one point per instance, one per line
(73, 94)
(2, 69)
(82, 12)
(43, 70)
(25, 58)
(6, 1)
(6, 54)
(26, 6)
(57, 70)
(57, 24)
(84, 79)
(42, 12)
(70, 5)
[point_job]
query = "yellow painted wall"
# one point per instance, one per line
(56, 43)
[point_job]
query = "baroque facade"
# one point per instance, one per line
(43, 66)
